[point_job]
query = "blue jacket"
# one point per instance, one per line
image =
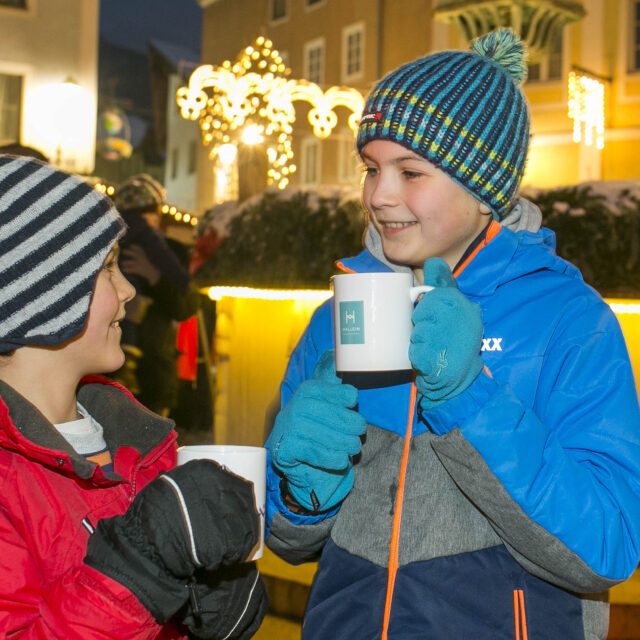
(522, 494)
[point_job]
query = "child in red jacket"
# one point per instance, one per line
(100, 536)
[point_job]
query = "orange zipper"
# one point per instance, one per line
(519, 615)
(397, 516)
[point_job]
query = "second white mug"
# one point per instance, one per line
(372, 320)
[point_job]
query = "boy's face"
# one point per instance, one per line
(418, 210)
(98, 350)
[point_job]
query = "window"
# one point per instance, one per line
(279, 10)
(551, 67)
(635, 37)
(14, 4)
(193, 156)
(348, 161)
(10, 108)
(311, 162)
(174, 163)
(352, 52)
(314, 61)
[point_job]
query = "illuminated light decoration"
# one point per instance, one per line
(311, 295)
(227, 153)
(622, 307)
(586, 109)
(251, 101)
(252, 134)
(618, 306)
(167, 209)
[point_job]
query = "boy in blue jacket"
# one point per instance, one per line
(497, 496)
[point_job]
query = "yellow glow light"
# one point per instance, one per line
(313, 295)
(227, 153)
(586, 109)
(625, 307)
(60, 121)
(252, 134)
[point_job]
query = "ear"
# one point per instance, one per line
(484, 208)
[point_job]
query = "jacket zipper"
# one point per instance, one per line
(519, 615)
(394, 545)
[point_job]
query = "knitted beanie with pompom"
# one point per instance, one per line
(464, 111)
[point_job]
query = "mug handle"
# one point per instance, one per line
(414, 292)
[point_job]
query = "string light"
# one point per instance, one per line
(625, 307)
(310, 295)
(251, 101)
(180, 216)
(586, 109)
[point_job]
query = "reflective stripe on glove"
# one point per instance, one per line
(230, 603)
(446, 338)
(315, 437)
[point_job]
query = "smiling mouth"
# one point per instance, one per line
(396, 225)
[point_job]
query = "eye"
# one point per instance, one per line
(410, 175)
(369, 171)
(110, 264)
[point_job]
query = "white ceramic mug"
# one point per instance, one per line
(372, 320)
(247, 462)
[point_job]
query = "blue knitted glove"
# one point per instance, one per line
(315, 437)
(446, 338)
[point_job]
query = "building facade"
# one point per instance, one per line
(48, 78)
(337, 42)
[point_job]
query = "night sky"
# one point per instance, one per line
(132, 23)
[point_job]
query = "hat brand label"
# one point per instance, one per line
(352, 322)
(376, 117)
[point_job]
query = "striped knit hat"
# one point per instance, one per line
(55, 232)
(141, 193)
(463, 111)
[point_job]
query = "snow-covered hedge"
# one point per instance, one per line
(292, 238)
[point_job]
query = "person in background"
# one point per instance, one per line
(101, 536)
(158, 268)
(496, 496)
(17, 149)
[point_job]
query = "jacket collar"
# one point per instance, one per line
(505, 257)
(125, 422)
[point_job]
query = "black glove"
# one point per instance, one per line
(195, 516)
(228, 603)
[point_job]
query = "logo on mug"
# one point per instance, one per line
(352, 322)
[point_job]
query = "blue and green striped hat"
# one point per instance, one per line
(463, 111)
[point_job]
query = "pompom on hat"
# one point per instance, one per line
(55, 233)
(463, 111)
(142, 193)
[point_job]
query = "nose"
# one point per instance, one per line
(383, 192)
(126, 291)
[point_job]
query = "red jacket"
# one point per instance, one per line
(50, 498)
